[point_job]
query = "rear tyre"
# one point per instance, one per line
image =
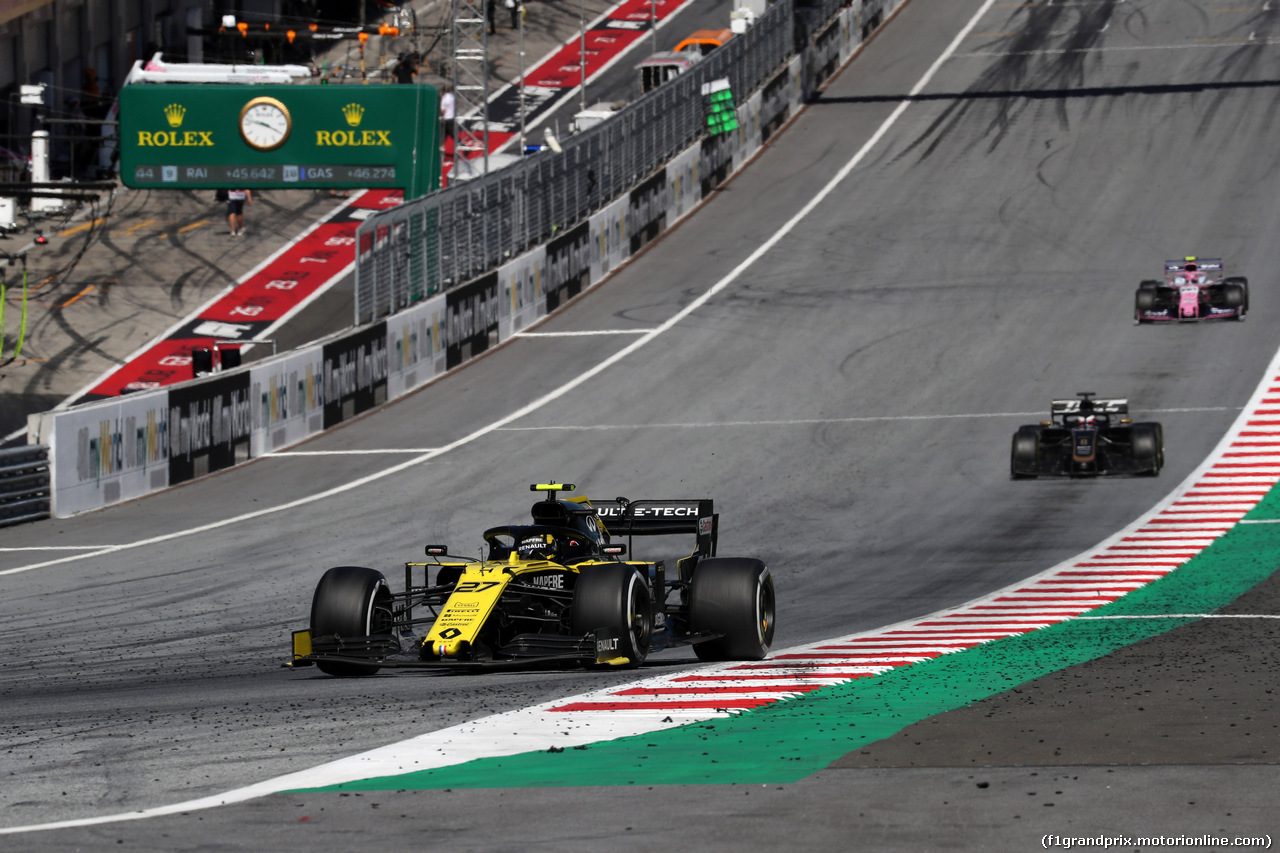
(732, 596)
(615, 597)
(1148, 448)
(350, 601)
(1024, 461)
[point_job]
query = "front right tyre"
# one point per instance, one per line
(350, 602)
(1145, 299)
(1024, 456)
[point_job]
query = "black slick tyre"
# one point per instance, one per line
(732, 596)
(1243, 284)
(1233, 296)
(350, 602)
(1024, 456)
(1144, 299)
(1148, 448)
(615, 597)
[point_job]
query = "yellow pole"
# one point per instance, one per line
(2, 301)
(22, 323)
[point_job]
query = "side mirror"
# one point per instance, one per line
(614, 550)
(437, 550)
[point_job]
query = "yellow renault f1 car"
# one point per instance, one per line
(556, 590)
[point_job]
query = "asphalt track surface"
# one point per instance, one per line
(847, 401)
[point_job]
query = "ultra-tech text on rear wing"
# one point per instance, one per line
(1204, 264)
(1117, 406)
(622, 517)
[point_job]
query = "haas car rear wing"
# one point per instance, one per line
(1118, 406)
(622, 517)
(1204, 264)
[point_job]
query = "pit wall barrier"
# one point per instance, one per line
(115, 450)
(24, 484)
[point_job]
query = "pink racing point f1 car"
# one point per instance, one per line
(1193, 289)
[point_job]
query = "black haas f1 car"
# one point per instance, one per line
(1087, 438)
(556, 590)
(1193, 289)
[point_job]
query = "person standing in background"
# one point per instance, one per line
(90, 94)
(236, 200)
(447, 107)
(406, 69)
(491, 11)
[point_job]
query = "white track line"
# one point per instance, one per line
(56, 548)
(581, 334)
(987, 54)
(582, 378)
(285, 454)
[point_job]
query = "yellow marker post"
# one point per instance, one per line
(22, 323)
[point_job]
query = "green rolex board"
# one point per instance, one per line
(199, 136)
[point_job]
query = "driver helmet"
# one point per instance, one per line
(537, 546)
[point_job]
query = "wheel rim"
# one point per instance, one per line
(637, 616)
(378, 618)
(764, 609)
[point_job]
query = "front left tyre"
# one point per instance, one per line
(1148, 448)
(350, 602)
(1235, 296)
(1242, 283)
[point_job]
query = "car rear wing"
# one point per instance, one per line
(1206, 264)
(662, 518)
(1117, 406)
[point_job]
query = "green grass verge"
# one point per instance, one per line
(789, 740)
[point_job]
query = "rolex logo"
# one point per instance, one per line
(175, 113)
(353, 113)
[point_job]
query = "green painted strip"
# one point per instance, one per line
(790, 740)
(1268, 509)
